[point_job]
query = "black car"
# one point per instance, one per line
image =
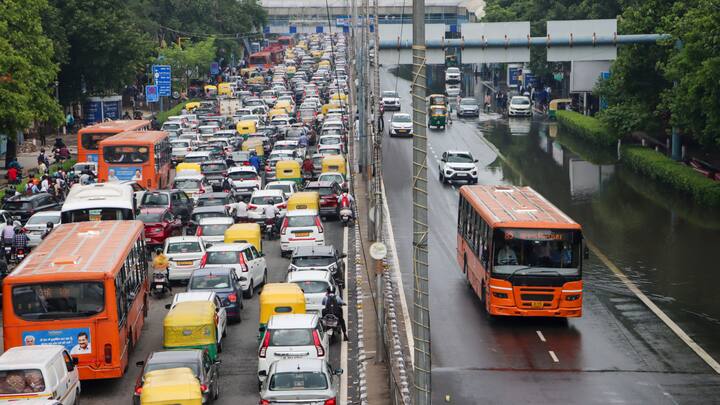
(325, 258)
(199, 213)
(176, 200)
(206, 370)
(215, 172)
(225, 283)
(22, 207)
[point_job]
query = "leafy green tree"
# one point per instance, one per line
(187, 58)
(28, 71)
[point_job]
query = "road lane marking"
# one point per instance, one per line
(705, 356)
(655, 309)
(343, 344)
(541, 336)
(554, 357)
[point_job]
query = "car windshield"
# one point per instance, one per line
(209, 281)
(266, 200)
(459, 158)
(152, 366)
(389, 94)
(61, 300)
(468, 101)
(22, 381)
(213, 167)
(186, 184)
(520, 101)
(312, 286)
(229, 257)
(401, 118)
(291, 337)
(214, 229)
(298, 221)
(210, 202)
(17, 206)
(43, 219)
(126, 154)
(536, 252)
(158, 199)
(326, 191)
(335, 178)
(183, 247)
(298, 381)
(313, 261)
(200, 215)
(150, 217)
(242, 176)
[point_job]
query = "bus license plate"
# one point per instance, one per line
(537, 304)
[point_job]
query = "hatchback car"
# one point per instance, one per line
(184, 255)
(286, 186)
(314, 284)
(262, 198)
(301, 228)
(325, 258)
(224, 283)
(520, 106)
(192, 183)
(212, 230)
(197, 156)
(213, 211)
(36, 226)
(291, 336)
(329, 192)
(245, 180)
(215, 172)
(468, 107)
(401, 125)
(160, 224)
(335, 177)
(314, 380)
(22, 207)
(196, 360)
(175, 200)
(249, 264)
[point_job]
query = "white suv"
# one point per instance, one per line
(301, 228)
(249, 264)
(184, 255)
(458, 165)
(452, 75)
(262, 198)
(291, 336)
(390, 100)
(401, 124)
(520, 106)
(212, 230)
(314, 284)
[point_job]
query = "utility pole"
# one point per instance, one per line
(377, 188)
(421, 305)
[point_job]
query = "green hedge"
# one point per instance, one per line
(682, 178)
(585, 127)
(163, 116)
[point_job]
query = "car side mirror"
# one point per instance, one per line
(476, 160)
(338, 371)
(262, 373)
(140, 363)
(443, 160)
(344, 255)
(168, 306)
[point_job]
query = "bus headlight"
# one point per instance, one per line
(574, 297)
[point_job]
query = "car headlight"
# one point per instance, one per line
(448, 171)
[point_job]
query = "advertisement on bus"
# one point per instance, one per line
(76, 340)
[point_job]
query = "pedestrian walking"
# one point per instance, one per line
(69, 122)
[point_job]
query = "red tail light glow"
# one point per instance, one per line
(251, 206)
(319, 225)
(264, 402)
(232, 297)
(108, 353)
(204, 388)
(138, 390)
(318, 345)
(198, 231)
(243, 264)
(265, 344)
(330, 401)
(203, 261)
(284, 225)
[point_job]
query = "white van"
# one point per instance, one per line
(39, 372)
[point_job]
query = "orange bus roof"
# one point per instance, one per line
(81, 250)
(512, 206)
(116, 126)
(132, 137)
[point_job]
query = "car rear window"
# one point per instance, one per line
(326, 191)
(184, 247)
(150, 217)
(310, 261)
(209, 281)
(214, 229)
(210, 202)
(223, 257)
(300, 221)
(155, 199)
(213, 167)
(298, 381)
(312, 287)
(186, 184)
(267, 200)
(166, 366)
(291, 337)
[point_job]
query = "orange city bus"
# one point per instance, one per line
(84, 287)
(520, 253)
(286, 41)
(260, 59)
(89, 137)
(143, 157)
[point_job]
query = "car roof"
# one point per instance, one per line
(295, 365)
(27, 356)
(324, 250)
(198, 153)
(458, 152)
(211, 270)
(263, 193)
(228, 247)
(43, 214)
(170, 356)
(281, 182)
(215, 194)
(242, 169)
(216, 221)
(209, 208)
(308, 275)
(293, 321)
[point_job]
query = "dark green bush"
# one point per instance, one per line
(664, 170)
(163, 116)
(587, 128)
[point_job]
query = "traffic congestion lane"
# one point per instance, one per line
(238, 371)
(584, 356)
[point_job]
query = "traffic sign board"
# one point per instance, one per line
(163, 79)
(378, 251)
(151, 94)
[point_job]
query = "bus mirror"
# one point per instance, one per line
(167, 306)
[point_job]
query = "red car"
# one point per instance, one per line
(329, 192)
(160, 224)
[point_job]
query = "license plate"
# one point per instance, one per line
(302, 234)
(159, 287)
(537, 304)
(184, 263)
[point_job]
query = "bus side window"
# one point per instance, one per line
(120, 301)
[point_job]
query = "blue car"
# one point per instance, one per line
(224, 283)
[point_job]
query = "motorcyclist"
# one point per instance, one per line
(346, 200)
(8, 235)
(333, 305)
(255, 161)
(21, 240)
(308, 167)
(162, 263)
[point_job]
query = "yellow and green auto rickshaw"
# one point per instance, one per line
(437, 99)
(304, 200)
(224, 89)
(210, 90)
(334, 164)
(558, 104)
(192, 105)
(288, 170)
(437, 116)
(245, 233)
(246, 127)
(192, 325)
(280, 298)
(176, 386)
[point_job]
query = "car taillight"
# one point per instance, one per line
(284, 225)
(204, 388)
(108, 353)
(138, 390)
(268, 168)
(318, 345)
(246, 163)
(232, 297)
(243, 264)
(203, 261)
(319, 225)
(198, 231)
(282, 206)
(265, 344)
(264, 402)
(330, 401)
(252, 206)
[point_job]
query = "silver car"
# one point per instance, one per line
(301, 381)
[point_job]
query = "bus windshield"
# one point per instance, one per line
(537, 252)
(58, 300)
(97, 214)
(91, 140)
(126, 154)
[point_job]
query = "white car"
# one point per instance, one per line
(249, 265)
(520, 106)
(390, 100)
(208, 296)
(244, 178)
(262, 198)
(328, 150)
(212, 230)
(198, 156)
(292, 336)
(180, 148)
(184, 255)
(314, 284)
(452, 90)
(289, 144)
(37, 225)
(286, 186)
(452, 75)
(192, 183)
(336, 177)
(332, 140)
(401, 124)
(301, 228)
(458, 165)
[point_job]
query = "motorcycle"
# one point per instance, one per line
(160, 284)
(346, 216)
(331, 325)
(8, 251)
(20, 255)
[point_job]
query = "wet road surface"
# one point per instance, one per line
(618, 352)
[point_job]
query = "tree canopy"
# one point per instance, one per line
(186, 58)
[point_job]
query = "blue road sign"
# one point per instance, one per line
(214, 68)
(163, 79)
(514, 76)
(319, 29)
(293, 29)
(266, 30)
(346, 29)
(151, 94)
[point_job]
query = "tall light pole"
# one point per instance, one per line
(421, 305)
